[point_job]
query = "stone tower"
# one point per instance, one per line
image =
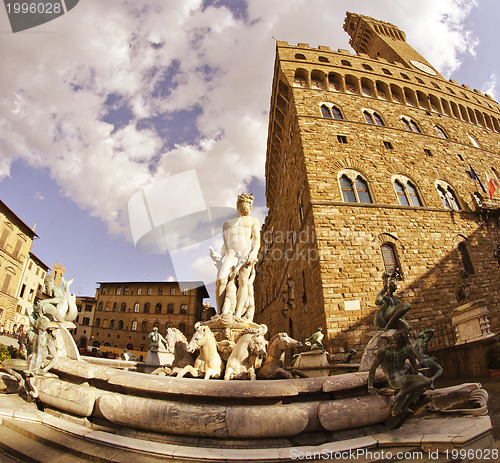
(379, 39)
(368, 170)
(57, 273)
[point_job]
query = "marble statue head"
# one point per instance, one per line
(244, 203)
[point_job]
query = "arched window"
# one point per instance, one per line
(465, 257)
(136, 307)
(411, 125)
(147, 305)
(336, 112)
(400, 192)
(170, 308)
(354, 188)
(378, 119)
(99, 306)
(448, 197)
(97, 323)
(441, 132)
(389, 258)
(362, 190)
(347, 188)
(134, 325)
(373, 118)
(112, 324)
(115, 306)
(407, 193)
(325, 111)
(158, 308)
(182, 328)
(120, 324)
(144, 326)
(184, 308)
(124, 307)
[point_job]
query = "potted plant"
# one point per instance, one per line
(493, 358)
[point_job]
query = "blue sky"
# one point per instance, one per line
(111, 99)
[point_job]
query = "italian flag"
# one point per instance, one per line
(491, 184)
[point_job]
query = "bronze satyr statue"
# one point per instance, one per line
(315, 341)
(409, 385)
(425, 361)
(390, 309)
(349, 355)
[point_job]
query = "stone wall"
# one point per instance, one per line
(331, 274)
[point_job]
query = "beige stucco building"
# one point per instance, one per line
(86, 311)
(30, 288)
(368, 169)
(15, 243)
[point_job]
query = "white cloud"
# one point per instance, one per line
(490, 86)
(160, 58)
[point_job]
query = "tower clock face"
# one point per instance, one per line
(423, 67)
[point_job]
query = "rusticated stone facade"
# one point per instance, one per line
(368, 168)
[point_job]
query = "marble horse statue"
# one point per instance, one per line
(250, 346)
(273, 367)
(177, 344)
(208, 363)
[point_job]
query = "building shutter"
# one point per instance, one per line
(389, 258)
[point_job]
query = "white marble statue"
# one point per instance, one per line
(236, 262)
(208, 363)
(249, 348)
(61, 307)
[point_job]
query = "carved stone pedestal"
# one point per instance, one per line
(470, 322)
(226, 328)
(157, 358)
(309, 363)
